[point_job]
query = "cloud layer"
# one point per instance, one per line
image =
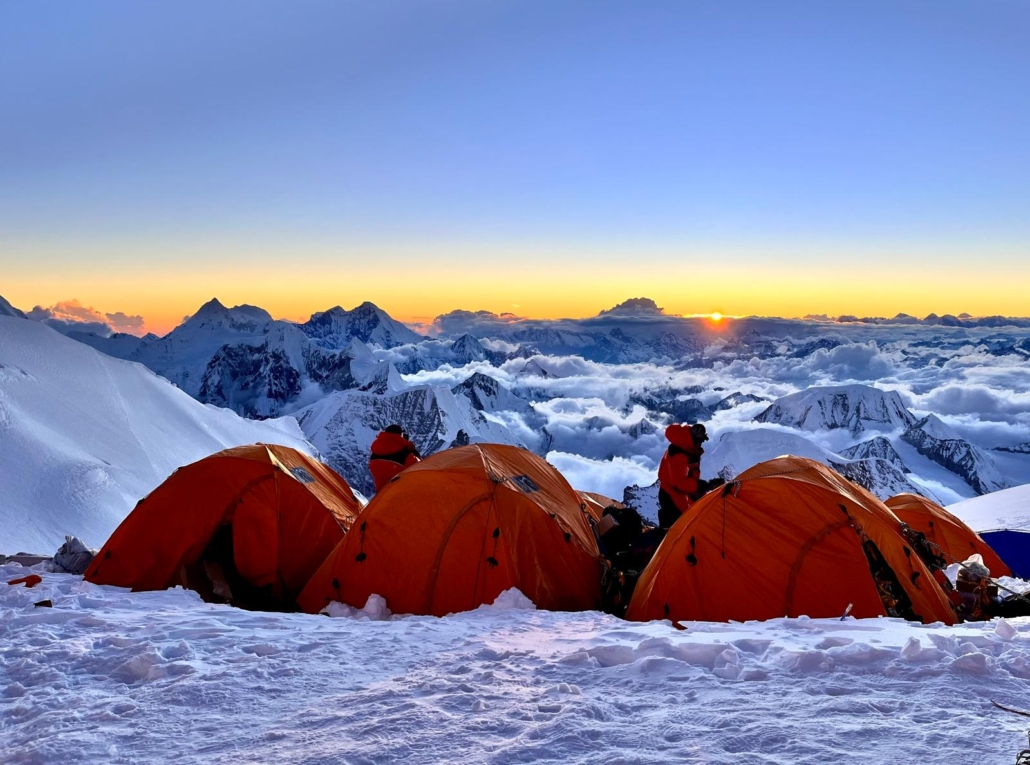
(976, 379)
(71, 315)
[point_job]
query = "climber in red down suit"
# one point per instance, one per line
(391, 453)
(679, 475)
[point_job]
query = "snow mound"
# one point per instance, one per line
(375, 610)
(512, 600)
(84, 436)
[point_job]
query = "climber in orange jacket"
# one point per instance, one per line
(391, 453)
(679, 475)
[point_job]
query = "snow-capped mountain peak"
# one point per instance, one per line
(241, 318)
(487, 395)
(853, 407)
(467, 349)
(641, 306)
(934, 426)
(385, 379)
(368, 323)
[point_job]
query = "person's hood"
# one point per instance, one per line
(390, 443)
(680, 435)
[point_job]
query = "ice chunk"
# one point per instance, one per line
(1004, 630)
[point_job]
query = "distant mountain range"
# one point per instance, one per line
(344, 375)
(243, 359)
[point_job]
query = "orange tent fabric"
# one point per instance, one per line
(955, 539)
(286, 512)
(595, 503)
(459, 528)
(784, 539)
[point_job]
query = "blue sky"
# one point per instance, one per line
(457, 135)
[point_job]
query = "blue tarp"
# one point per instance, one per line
(1013, 547)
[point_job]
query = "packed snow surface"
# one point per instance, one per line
(117, 677)
(1006, 509)
(84, 436)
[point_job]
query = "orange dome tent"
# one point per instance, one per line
(789, 537)
(595, 503)
(457, 529)
(954, 538)
(248, 525)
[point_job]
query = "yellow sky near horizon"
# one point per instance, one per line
(417, 282)
(163, 299)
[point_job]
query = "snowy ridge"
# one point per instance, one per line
(669, 405)
(6, 309)
(734, 452)
(84, 436)
(935, 440)
(881, 477)
(876, 448)
(547, 686)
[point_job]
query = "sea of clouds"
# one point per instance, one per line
(976, 379)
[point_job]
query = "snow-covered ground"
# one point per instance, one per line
(111, 676)
(1006, 509)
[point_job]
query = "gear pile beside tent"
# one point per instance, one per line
(954, 539)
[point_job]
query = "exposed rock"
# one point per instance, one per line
(73, 557)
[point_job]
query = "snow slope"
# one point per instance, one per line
(735, 452)
(83, 436)
(108, 676)
(1006, 509)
